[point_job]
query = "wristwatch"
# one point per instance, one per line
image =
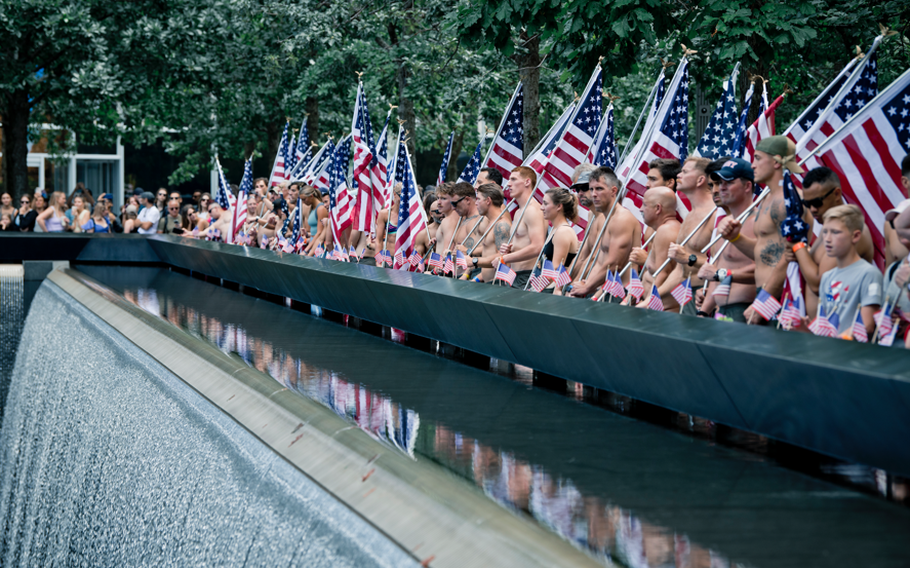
(693, 259)
(720, 274)
(474, 261)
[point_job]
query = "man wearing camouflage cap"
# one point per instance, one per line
(772, 156)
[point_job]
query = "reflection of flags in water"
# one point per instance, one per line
(444, 167)
(404, 435)
(507, 150)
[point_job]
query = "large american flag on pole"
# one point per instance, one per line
(238, 217)
(364, 161)
(223, 195)
(576, 141)
(444, 167)
(303, 150)
(807, 119)
(763, 127)
(858, 89)
(603, 150)
(738, 143)
(277, 175)
(307, 172)
(411, 216)
(660, 90)
(720, 134)
(382, 161)
(866, 153)
(669, 135)
(472, 169)
(507, 150)
(537, 160)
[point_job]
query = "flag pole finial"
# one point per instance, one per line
(686, 51)
(391, 106)
(401, 122)
(359, 75)
(666, 64)
(886, 31)
(610, 97)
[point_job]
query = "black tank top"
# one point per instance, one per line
(548, 253)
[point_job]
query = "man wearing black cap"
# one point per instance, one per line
(773, 155)
(735, 180)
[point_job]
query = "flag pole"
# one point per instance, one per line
(595, 249)
(490, 228)
(739, 219)
(502, 122)
(651, 95)
(686, 240)
(388, 221)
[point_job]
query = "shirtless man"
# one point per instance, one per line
(529, 234)
(622, 233)
(821, 192)
(445, 231)
(894, 249)
(580, 178)
(658, 209)
(663, 173)
(488, 175)
(490, 201)
(464, 200)
(693, 183)
(735, 184)
(772, 155)
(387, 241)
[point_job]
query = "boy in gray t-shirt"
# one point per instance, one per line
(854, 283)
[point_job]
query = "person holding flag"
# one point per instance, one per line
(658, 210)
(387, 226)
(529, 230)
(559, 207)
(490, 201)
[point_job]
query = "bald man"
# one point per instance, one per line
(658, 209)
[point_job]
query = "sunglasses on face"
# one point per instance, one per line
(457, 201)
(210, 210)
(172, 209)
(24, 202)
(818, 201)
(205, 199)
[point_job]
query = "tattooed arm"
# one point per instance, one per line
(500, 237)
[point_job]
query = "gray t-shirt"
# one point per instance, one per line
(842, 290)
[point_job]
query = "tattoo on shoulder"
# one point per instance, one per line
(772, 253)
(501, 233)
(777, 212)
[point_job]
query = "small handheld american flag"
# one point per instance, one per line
(449, 264)
(562, 277)
(505, 273)
(654, 302)
(821, 325)
(618, 291)
(682, 293)
(883, 321)
(636, 288)
(538, 282)
(766, 305)
(548, 271)
(791, 315)
(460, 260)
(415, 259)
(723, 289)
(859, 328)
(435, 260)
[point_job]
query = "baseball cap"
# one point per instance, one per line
(736, 168)
(890, 214)
(147, 195)
(108, 197)
(583, 179)
(783, 147)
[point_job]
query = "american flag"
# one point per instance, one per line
(472, 169)
(505, 273)
(246, 186)
(365, 160)
(507, 150)
(411, 216)
(562, 277)
(548, 271)
(308, 172)
(669, 138)
(353, 253)
(576, 141)
(636, 288)
(303, 151)
(449, 265)
(277, 175)
(320, 250)
(887, 340)
(766, 305)
(415, 260)
(821, 325)
(398, 261)
(618, 291)
(654, 302)
(537, 160)
(883, 321)
(740, 134)
(763, 127)
(659, 89)
(460, 260)
(866, 154)
(435, 260)
(290, 158)
(603, 150)
(223, 195)
(444, 167)
(683, 292)
(538, 282)
(295, 226)
(382, 161)
(339, 197)
(808, 117)
(607, 287)
(720, 134)
(723, 289)
(791, 315)
(859, 328)
(340, 254)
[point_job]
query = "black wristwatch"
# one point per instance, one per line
(693, 259)
(474, 261)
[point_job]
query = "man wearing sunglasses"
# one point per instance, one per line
(821, 192)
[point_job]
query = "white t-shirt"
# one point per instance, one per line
(147, 214)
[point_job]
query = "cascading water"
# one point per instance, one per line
(108, 459)
(11, 314)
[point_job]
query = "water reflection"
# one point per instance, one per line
(611, 533)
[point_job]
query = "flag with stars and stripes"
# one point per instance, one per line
(723, 288)
(635, 288)
(603, 150)
(859, 328)
(290, 158)
(507, 151)
(866, 154)
(365, 159)
(766, 305)
(472, 169)
(682, 293)
(504, 273)
(411, 216)
(537, 160)
(883, 320)
(821, 325)
(303, 151)
(607, 287)
(382, 162)
(239, 214)
(435, 261)
(538, 282)
(223, 195)
(807, 118)
(576, 141)
(308, 172)
(887, 340)
(562, 277)
(547, 271)
(617, 290)
(669, 137)
(449, 265)
(763, 127)
(277, 175)
(444, 167)
(295, 226)
(659, 90)
(720, 135)
(654, 302)
(791, 315)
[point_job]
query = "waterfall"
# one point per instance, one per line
(108, 459)
(11, 313)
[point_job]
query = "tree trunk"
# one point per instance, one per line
(312, 119)
(528, 61)
(15, 144)
(760, 68)
(406, 111)
(457, 144)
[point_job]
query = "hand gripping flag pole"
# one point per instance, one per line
(505, 209)
(686, 240)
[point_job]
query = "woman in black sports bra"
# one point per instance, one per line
(559, 207)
